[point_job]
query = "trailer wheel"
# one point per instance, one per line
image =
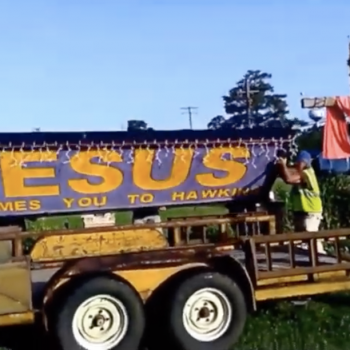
(100, 314)
(207, 312)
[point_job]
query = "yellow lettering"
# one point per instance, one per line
(209, 193)
(20, 206)
(84, 202)
(132, 198)
(99, 202)
(111, 177)
(235, 170)
(146, 198)
(14, 175)
(6, 206)
(239, 192)
(175, 196)
(68, 202)
(192, 195)
(34, 205)
(224, 192)
(142, 169)
(143, 198)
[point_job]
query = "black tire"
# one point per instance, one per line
(179, 336)
(63, 329)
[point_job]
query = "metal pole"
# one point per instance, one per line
(248, 92)
(189, 112)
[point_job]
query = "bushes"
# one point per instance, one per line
(335, 194)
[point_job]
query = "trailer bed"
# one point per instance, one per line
(281, 258)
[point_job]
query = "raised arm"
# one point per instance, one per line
(289, 175)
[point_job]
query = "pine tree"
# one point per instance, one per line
(266, 108)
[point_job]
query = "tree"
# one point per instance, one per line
(311, 139)
(134, 125)
(265, 109)
(216, 122)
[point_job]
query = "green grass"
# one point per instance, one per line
(122, 217)
(323, 324)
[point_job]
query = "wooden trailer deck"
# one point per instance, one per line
(265, 253)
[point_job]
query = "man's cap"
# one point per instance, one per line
(304, 157)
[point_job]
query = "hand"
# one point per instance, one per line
(282, 161)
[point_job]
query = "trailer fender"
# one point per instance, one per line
(233, 268)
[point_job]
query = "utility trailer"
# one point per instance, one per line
(128, 286)
(173, 283)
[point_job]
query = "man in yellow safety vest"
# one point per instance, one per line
(305, 194)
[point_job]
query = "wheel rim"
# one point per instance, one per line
(207, 314)
(100, 323)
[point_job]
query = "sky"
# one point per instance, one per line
(69, 65)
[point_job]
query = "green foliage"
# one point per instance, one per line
(268, 109)
(136, 125)
(311, 139)
(335, 193)
(282, 192)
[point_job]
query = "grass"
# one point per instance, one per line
(122, 217)
(323, 324)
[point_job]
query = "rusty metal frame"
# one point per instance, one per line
(291, 239)
(142, 260)
(12, 234)
(17, 236)
(203, 252)
(197, 253)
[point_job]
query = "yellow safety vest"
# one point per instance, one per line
(306, 196)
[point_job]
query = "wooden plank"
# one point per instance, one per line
(317, 102)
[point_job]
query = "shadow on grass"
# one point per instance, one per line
(336, 300)
(24, 338)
